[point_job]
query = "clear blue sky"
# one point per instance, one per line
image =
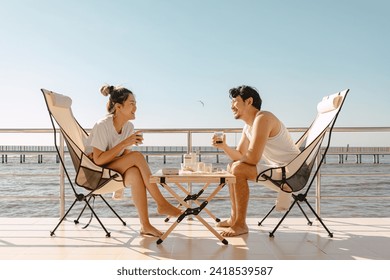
(173, 53)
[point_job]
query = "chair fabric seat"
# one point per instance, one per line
(299, 174)
(90, 180)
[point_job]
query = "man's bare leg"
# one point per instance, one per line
(229, 222)
(239, 225)
(243, 173)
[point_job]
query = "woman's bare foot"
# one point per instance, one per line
(225, 223)
(235, 231)
(151, 231)
(168, 210)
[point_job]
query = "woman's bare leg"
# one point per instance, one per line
(136, 159)
(138, 193)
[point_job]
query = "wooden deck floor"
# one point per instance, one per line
(354, 238)
(360, 248)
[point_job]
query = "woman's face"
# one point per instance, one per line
(128, 108)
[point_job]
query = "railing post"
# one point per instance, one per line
(62, 177)
(189, 142)
(318, 186)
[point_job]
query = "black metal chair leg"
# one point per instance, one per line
(304, 214)
(81, 213)
(109, 206)
(272, 209)
(271, 234)
(63, 218)
(319, 219)
(108, 234)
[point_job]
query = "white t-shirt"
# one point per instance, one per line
(104, 135)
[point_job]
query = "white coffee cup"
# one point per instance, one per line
(201, 167)
(208, 167)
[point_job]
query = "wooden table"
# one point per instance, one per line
(175, 182)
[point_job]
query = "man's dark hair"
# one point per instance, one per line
(245, 92)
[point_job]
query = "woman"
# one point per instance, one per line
(110, 146)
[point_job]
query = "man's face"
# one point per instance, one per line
(238, 107)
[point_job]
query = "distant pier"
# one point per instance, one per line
(22, 151)
(344, 154)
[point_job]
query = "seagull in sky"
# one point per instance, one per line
(201, 102)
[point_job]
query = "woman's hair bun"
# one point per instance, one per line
(106, 90)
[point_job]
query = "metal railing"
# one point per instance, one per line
(190, 132)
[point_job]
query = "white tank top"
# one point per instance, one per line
(279, 149)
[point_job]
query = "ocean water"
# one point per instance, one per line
(30, 189)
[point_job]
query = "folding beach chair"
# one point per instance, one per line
(93, 180)
(299, 174)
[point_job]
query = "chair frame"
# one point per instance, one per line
(299, 196)
(79, 196)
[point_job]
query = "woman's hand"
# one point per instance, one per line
(104, 157)
(139, 136)
(134, 139)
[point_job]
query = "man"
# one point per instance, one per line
(265, 138)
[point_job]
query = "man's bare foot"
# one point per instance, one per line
(225, 223)
(151, 231)
(169, 210)
(235, 231)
